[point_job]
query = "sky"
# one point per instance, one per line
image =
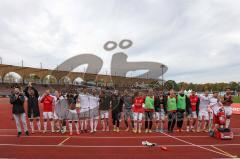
(199, 40)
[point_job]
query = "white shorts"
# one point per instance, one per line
(228, 110)
(47, 115)
(137, 116)
(160, 116)
(55, 116)
(73, 115)
(193, 115)
(104, 114)
(203, 114)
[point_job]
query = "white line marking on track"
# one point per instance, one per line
(116, 146)
(61, 143)
(223, 151)
(183, 130)
(199, 146)
(110, 137)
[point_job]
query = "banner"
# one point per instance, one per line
(236, 108)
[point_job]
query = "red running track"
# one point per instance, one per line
(112, 145)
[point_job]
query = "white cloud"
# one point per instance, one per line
(194, 38)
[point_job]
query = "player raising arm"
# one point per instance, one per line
(32, 105)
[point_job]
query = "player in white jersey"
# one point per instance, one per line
(61, 110)
(57, 110)
(215, 105)
(94, 106)
(72, 115)
(83, 98)
(203, 112)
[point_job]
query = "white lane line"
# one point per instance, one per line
(175, 130)
(199, 146)
(233, 156)
(102, 137)
(114, 146)
(61, 143)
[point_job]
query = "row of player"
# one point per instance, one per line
(64, 109)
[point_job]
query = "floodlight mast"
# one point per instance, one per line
(162, 79)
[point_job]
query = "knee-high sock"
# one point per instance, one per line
(205, 124)
(194, 122)
(157, 125)
(57, 124)
(107, 124)
(132, 123)
(86, 124)
(135, 125)
(95, 124)
(161, 125)
(199, 125)
(126, 123)
(140, 125)
(32, 126)
(227, 123)
(70, 126)
(45, 125)
(103, 124)
(52, 126)
(82, 124)
(188, 122)
(77, 126)
(91, 124)
(39, 125)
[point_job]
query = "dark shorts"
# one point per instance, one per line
(33, 113)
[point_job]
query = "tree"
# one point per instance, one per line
(170, 84)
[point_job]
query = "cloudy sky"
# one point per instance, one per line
(199, 40)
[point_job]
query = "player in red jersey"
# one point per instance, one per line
(138, 112)
(193, 111)
(47, 100)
